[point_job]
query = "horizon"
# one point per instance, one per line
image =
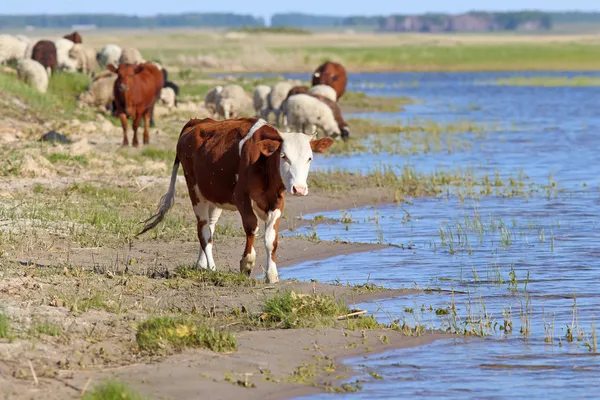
(267, 8)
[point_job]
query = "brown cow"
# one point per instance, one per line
(44, 52)
(332, 74)
(74, 37)
(337, 114)
(136, 90)
(245, 165)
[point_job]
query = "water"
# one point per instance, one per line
(523, 270)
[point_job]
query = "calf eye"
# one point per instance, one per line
(310, 159)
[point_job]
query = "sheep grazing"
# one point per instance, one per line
(100, 92)
(325, 91)
(28, 44)
(212, 98)
(337, 114)
(260, 101)
(66, 63)
(131, 55)
(293, 91)
(305, 112)
(233, 102)
(11, 49)
(109, 55)
(34, 74)
(86, 58)
(168, 97)
(277, 96)
(44, 52)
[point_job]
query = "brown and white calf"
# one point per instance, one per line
(245, 165)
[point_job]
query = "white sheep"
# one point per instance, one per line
(233, 101)
(277, 96)
(325, 91)
(29, 43)
(100, 91)
(11, 49)
(168, 97)
(260, 99)
(212, 98)
(63, 60)
(33, 73)
(305, 112)
(86, 58)
(131, 55)
(110, 54)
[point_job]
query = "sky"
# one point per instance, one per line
(265, 8)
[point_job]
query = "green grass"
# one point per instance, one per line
(550, 81)
(47, 328)
(112, 390)
(273, 29)
(61, 98)
(62, 157)
(159, 154)
(465, 57)
(216, 278)
(4, 326)
(290, 310)
(161, 334)
(360, 100)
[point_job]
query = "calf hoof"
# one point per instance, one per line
(272, 278)
(246, 267)
(135, 144)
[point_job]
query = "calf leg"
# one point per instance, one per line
(205, 257)
(146, 122)
(271, 233)
(214, 213)
(136, 124)
(250, 223)
(123, 119)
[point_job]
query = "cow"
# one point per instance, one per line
(332, 74)
(74, 37)
(337, 114)
(136, 90)
(245, 165)
(44, 52)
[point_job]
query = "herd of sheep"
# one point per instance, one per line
(297, 107)
(294, 107)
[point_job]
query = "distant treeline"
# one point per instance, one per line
(472, 21)
(125, 21)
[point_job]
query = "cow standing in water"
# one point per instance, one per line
(245, 165)
(136, 90)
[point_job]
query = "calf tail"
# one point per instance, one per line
(166, 202)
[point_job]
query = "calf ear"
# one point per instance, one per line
(111, 68)
(319, 146)
(268, 146)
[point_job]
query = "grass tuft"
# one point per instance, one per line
(112, 390)
(216, 278)
(47, 328)
(4, 326)
(161, 334)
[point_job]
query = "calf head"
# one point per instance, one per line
(125, 74)
(295, 152)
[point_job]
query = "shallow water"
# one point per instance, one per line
(523, 270)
